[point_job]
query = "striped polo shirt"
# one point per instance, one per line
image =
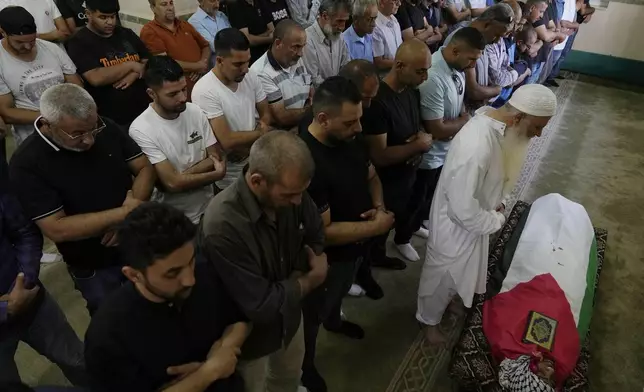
(292, 85)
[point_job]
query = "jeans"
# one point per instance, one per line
(419, 203)
(556, 55)
(557, 67)
(49, 333)
(96, 285)
(534, 76)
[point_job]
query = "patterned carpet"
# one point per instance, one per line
(424, 365)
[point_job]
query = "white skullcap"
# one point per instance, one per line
(534, 100)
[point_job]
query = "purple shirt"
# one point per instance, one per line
(20, 248)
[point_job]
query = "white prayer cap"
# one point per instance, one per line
(534, 100)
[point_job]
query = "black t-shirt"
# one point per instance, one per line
(398, 116)
(242, 15)
(275, 10)
(90, 51)
(542, 55)
(73, 9)
(340, 184)
(409, 15)
(131, 341)
(47, 180)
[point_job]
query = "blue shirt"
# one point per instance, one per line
(208, 27)
(359, 47)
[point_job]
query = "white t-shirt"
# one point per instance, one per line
(386, 36)
(570, 15)
(182, 142)
(26, 81)
(43, 11)
(239, 108)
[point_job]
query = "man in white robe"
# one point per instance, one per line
(482, 167)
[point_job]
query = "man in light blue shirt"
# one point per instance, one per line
(441, 106)
(359, 35)
(208, 20)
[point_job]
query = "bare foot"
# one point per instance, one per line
(456, 307)
(434, 336)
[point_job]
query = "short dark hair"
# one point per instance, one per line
(358, 71)
(530, 3)
(470, 37)
(283, 28)
(230, 39)
(104, 6)
(333, 93)
(526, 32)
(161, 69)
(153, 231)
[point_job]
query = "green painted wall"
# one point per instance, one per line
(607, 67)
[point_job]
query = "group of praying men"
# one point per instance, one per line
(275, 185)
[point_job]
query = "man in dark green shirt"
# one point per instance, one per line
(264, 236)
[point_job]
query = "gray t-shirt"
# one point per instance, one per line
(27, 80)
(441, 97)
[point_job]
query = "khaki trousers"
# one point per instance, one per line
(276, 372)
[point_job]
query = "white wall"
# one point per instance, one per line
(617, 30)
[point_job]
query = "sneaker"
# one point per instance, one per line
(387, 262)
(408, 251)
(356, 291)
(371, 288)
(422, 233)
(312, 380)
(348, 329)
(560, 77)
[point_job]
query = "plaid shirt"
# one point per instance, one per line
(20, 247)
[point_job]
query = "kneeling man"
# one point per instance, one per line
(482, 167)
(164, 330)
(536, 324)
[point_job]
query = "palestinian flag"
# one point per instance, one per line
(545, 304)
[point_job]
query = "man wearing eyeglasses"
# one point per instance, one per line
(77, 177)
(443, 114)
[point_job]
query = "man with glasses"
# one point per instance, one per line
(359, 36)
(28, 65)
(443, 113)
(77, 177)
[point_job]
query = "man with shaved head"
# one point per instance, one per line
(286, 81)
(394, 137)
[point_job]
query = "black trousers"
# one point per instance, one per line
(419, 204)
(324, 304)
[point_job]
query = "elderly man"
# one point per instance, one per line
(359, 36)
(387, 36)
(265, 236)
(395, 140)
(167, 34)
(482, 167)
(232, 99)
(284, 78)
(28, 65)
(443, 114)
(208, 20)
(177, 138)
(326, 52)
(494, 23)
(77, 177)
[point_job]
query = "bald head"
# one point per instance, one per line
(284, 28)
(289, 39)
(413, 59)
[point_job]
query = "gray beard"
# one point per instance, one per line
(515, 147)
